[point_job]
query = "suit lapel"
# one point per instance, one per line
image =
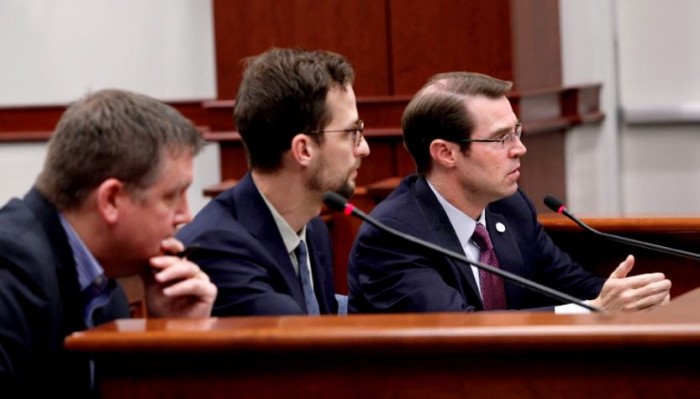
(443, 233)
(507, 251)
(70, 305)
(258, 220)
(318, 271)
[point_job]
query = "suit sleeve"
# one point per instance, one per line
(24, 329)
(556, 268)
(390, 274)
(247, 278)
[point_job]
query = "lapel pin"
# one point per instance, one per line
(500, 227)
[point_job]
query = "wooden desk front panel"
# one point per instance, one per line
(443, 355)
(568, 374)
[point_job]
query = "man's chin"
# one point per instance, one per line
(347, 190)
(512, 189)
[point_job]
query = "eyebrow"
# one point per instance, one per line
(505, 130)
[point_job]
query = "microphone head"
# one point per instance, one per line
(334, 201)
(554, 204)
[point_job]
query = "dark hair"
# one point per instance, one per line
(439, 110)
(283, 93)
(112, 134)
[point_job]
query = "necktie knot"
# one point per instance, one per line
(300, 251)
(481, 237)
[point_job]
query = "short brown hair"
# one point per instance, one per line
(283, 93)
(438, 110)
(112, 134)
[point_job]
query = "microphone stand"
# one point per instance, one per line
(557, 206)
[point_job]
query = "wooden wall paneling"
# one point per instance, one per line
(233, 162)
(448, 35)
(581, 104)
(220, 115)
(381, 162)
(537, 48)
(406, 165)
(356, 29)
(382, 111)
(37, 123)
(29, 119)
(542, 167)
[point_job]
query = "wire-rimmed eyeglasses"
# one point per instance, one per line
(507, 139)
(357, 132)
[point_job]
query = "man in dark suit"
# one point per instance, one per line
(262, 242)
(106, 205)
(465, 140)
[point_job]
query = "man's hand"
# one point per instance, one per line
(177, 287)
(641, 292)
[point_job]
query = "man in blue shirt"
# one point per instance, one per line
(106, 205)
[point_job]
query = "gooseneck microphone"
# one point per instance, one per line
(558, 207)
(337, 202)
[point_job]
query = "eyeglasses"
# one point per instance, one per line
(507, 139)
(356, 131)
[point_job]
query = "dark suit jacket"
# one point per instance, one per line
(40, 303)
(240, 247)
(388, 274)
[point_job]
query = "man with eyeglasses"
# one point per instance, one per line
(262, 242)
(465, 139)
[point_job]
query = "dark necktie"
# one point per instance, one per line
(492, 290)
(305, 277)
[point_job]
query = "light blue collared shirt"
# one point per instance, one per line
(91, 276)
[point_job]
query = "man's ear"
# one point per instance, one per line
(109, 196)
(444, 152)
(303, 149)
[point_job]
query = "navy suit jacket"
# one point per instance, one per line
(389, 274)
(41, 303)
(241, 249)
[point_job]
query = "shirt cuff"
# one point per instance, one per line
(571, 308)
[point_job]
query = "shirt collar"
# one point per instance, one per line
(89, 269)
(290, 238)
(462, 224)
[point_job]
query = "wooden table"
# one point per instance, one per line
(441, 355)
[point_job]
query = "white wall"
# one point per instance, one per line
(646, 54)
(588, 56)
(659, 63)
(54, 51)
(20, 163)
